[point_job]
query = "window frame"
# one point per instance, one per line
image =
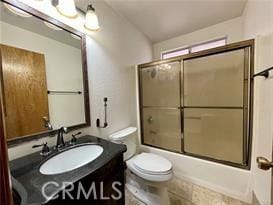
(192, 46)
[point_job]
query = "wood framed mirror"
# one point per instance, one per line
(44, 75)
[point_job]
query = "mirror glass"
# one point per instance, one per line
(41, 75)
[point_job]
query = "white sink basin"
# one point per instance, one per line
(71, 159)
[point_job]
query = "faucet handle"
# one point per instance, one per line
(45, 150)
(37, 145)
(74, 139)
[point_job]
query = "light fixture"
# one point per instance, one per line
(91, 19)
(17, 11)
(67, 8)
(52, 26)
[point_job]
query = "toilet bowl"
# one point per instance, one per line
(150, 167)
(147, 173)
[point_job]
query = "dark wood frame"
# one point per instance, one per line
(5, 186)
(230, 47)
(44, 17)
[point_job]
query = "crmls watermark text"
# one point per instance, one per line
(80, 192)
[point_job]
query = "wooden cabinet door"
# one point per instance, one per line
(24, 91)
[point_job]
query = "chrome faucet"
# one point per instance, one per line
(60, 137)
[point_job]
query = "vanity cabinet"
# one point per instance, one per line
(101, 180)
(106, 185)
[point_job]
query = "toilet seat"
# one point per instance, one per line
(150, 167)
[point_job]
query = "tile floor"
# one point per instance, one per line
(185, 193)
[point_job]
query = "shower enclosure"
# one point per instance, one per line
(200, 104)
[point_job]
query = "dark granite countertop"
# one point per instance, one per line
(26, 170)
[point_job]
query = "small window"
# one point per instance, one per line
(195, 48)
(208, 45)
(175, 53)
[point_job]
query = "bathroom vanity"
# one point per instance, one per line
(102, 179)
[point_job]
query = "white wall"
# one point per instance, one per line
(232, 28)
(258, 23)
(63, 65)
(112, 53)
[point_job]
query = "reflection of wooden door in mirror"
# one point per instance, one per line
(24, 90)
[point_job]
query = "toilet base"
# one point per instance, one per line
(145, 191)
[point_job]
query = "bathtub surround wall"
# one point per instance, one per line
(112, 53)
(233, 29)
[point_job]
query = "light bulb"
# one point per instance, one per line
(67, 8)
(91, 19)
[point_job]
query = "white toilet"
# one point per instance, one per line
(147, 173)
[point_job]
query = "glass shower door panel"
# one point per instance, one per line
(214, 133)
(162, 128)
(215, 80)
(161, 85)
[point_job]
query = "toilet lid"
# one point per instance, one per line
(122, 134)
(152, 164)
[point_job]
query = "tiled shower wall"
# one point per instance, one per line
(185, 193)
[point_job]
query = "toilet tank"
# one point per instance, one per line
(127, 136)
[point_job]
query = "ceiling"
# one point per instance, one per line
(160, 20)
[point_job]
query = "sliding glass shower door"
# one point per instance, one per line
(161, 114)
(214, 105)
(200, 104)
